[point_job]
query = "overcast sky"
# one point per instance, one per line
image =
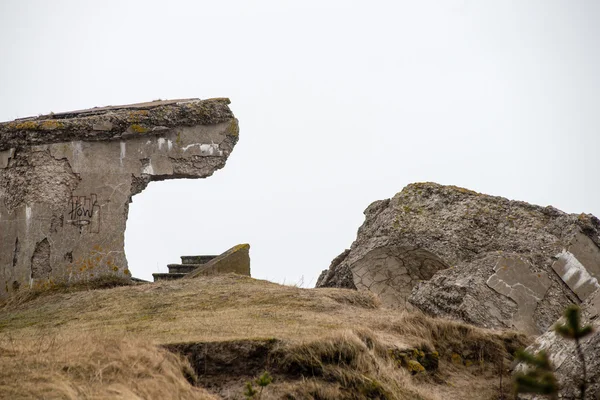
(340, 103)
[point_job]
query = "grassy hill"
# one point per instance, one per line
(205, 338)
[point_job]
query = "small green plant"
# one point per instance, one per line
(262, 382)
(539, 377)
(250, 392)
(571, 329)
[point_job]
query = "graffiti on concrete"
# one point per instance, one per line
(84, 212)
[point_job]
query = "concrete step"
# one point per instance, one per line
(196, 259)
(182, 268)
(167, 277)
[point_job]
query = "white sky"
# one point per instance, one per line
(340, 103)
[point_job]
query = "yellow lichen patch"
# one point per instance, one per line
(418, 353)
(463, 190)
(414, 367)
(27, 126)
(51, 124)
(456, 359)
(81, 268)
(138, 128)
(137, 115)
(234, 128)
(240, 247)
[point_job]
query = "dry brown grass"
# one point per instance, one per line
(104, 282)
(48, 366)
(342, 338)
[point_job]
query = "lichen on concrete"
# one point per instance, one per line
(109, 123)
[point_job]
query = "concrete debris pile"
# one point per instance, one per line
(486, 260)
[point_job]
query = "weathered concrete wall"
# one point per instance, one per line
(66, 181)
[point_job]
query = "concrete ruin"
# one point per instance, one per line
(66, 181)
(236, 260)
(486, 260)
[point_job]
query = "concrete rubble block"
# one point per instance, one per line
(66, 181)
(197, 259)
(513, 277)
(579, 266)
(498, 290)
(235, 260)
(465, 232)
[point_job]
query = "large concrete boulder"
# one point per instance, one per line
(484, 259)
(564, 359)
(66, 181)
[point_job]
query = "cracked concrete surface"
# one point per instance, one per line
(515, 279)
(392, 272)
(66, 181)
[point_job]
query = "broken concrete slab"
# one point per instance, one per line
(579, 266)
(484, 293)
(197, 259)
(236, 260)
(66, 181)
(514, 278)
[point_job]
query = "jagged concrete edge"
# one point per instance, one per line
(114, 123)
